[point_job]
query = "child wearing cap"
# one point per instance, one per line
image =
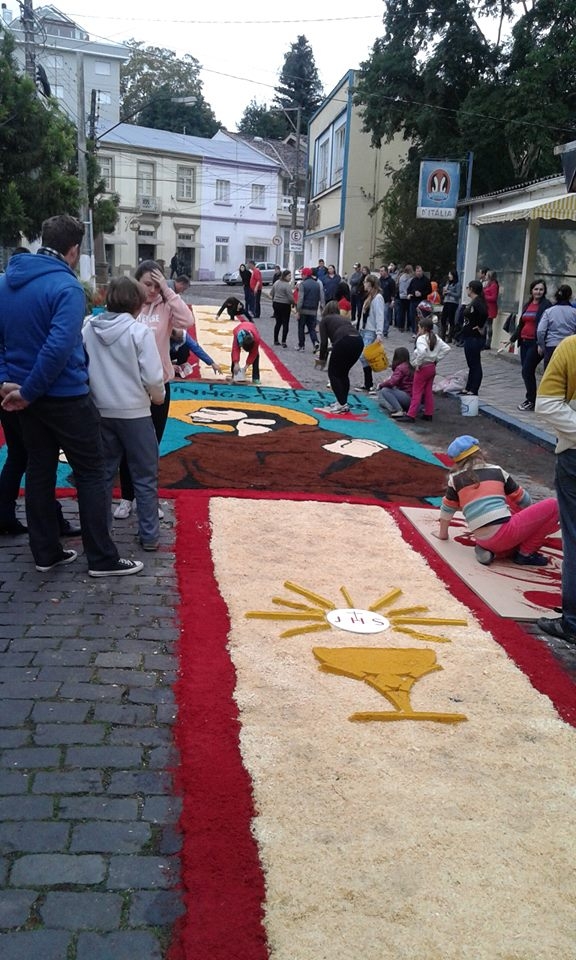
(246, 337)
(498, 511)
(428, 351)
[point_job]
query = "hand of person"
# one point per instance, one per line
(14, 399)
(438, 535)
(159, 278)
(7, 388)
(236, 369)
(379, 338)
(217, 368)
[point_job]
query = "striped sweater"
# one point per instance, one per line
(486, 494)
(556, 399)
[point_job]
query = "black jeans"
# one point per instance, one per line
(356, 308)
(473, 347)
(344, 355)
(71, 424)
(530, 359)
(447, 321)
(14, 469)
(282, 317)
(159, 414)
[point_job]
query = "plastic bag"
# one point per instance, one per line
(454, 383)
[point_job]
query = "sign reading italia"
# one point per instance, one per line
(438, 189)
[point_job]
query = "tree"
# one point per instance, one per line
(439, 80)
(258, 120)
(37, 155)
(299, 84)
(148, 82)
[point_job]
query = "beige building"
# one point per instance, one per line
(348, 177)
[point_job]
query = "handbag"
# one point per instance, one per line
(509, 325)
(375, 354)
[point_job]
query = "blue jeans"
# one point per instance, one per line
(473, 352)
(73, 425)
(309, 322)
(387, 317)
(566, 492)
(136, 440)
(393, 400)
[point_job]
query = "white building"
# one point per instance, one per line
(71, 60)
(213, 201)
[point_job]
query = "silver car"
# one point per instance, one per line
(266, 269)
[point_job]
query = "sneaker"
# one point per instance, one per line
(123, 510)
(300, 349)
(531, 559)
(122, 568)
(149, 545)
(67, 556)
(285, 345)
(485, 557)
(255, 383)
(160, 513)
(426, 416)
(336, 408)
(362, 389)
(555, 628)
(526, 405)
(316, 348)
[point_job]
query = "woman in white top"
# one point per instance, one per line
(373, 309)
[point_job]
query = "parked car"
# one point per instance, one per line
(266, 269)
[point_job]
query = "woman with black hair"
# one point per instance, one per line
(347, 345)
(451, 298)
(472, 335)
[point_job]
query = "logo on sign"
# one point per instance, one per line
(438, 185)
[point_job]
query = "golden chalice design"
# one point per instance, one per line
(391, 671)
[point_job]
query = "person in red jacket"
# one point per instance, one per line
(491, 293)
(246, 337)
(255, 287)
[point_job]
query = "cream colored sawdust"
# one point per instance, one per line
(215, 336)
(392, 841)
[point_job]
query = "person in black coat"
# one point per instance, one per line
(418, 289)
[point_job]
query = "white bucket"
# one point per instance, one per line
(469, 406)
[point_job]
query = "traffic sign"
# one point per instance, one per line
(277, 241)
(296, 241)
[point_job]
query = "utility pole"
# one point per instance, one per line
(86, 256)
(27, 17)
(292, 253)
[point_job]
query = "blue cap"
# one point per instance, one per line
(463, 447)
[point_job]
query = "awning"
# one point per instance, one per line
(560, 207)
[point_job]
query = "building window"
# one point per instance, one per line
(323, 166)
(104, 98)
(258, 195)
(106, 172)
(222, 191)
(186, 183)
(145, 178)
(53, 61)
(102, 68)
(57, 90)
(257, 254)
(338, 153)
(221, 250)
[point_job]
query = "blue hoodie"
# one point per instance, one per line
(42, 308)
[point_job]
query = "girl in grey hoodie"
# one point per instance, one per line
(125, 372)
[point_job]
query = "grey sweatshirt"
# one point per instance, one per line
(124, 366)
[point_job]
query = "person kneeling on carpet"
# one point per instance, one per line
(247, 338)
(180, 349)
(498, 511)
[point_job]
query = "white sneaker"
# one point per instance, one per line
(123, 510)
(160, 513)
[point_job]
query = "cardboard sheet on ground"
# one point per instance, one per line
(517, 593)
(214, 334)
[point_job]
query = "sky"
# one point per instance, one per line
(241, 53)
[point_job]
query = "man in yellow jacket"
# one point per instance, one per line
(556, 403)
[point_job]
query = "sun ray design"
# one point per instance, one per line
(391, 671)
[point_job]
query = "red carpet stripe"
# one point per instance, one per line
(221, 874)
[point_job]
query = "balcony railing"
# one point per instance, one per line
(148, 204)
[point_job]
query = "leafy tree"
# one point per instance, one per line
(37, 154)
(438, 79)
(258, 120)
(299, 84)
(148, 82)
